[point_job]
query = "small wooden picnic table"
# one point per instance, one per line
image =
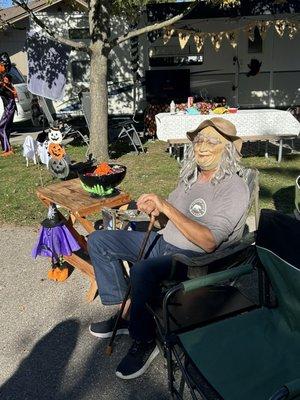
(70, 196)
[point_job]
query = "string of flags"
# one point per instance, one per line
(281, 26)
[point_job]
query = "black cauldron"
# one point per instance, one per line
(105, 181)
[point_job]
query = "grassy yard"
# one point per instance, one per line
(151, 172)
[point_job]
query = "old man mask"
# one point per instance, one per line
(209, 145)
(209, 141)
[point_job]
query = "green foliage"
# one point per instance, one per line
(132, 8)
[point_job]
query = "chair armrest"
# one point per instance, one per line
(121, 124)
(293, 388)
(287, 391)
(216, 277)
(207, 259)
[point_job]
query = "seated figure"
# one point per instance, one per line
(201, 215)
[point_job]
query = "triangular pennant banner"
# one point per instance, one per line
(292, 29)
(280, 26)
(168, 32)
(216, 39)
(251, 32)
(199, 41)
(263, 28)
(232, 38)
(183, 39)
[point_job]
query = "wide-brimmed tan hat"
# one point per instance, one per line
(223, 126)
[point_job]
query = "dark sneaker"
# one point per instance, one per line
(137, 360)
(104, 329)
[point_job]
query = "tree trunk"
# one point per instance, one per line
(99, 102)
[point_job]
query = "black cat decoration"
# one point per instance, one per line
(254, 67)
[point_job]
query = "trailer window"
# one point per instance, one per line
(176, 61)
(256, 45)
(16, 76)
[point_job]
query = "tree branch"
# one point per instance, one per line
(153, 27)
(75, 45)
(3, 24)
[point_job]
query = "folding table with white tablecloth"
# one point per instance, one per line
(251, 125)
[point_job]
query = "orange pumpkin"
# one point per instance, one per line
(55, 150)
(61, 274)
(58, 274)
(2, 68)
(51, 274)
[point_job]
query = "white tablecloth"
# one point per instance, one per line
(247, 122)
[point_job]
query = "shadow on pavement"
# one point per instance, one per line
(48, 373)
(40, 373)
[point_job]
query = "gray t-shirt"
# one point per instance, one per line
(219, 207)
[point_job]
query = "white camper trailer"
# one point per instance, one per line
(229, 71)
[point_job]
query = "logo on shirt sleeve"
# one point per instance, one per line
(198, 208)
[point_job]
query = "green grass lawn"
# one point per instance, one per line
(155, 172)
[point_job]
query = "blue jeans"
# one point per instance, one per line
(107, 248)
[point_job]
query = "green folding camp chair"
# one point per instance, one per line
(297, 198)
(251, 354)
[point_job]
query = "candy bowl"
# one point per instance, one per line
(102, 180)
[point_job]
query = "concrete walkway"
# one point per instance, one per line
(46, 351)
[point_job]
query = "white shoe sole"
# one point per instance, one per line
(140, 372)
(124, 331)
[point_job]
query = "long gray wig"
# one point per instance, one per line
(229, 165)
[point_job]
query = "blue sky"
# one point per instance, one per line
(8, 3)
(5, 3)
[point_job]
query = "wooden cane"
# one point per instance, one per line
(109, 348)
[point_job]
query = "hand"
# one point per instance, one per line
(151, 204)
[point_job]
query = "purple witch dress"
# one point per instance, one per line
(55, 239)
(55, 242)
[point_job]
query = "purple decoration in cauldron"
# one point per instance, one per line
(55, 239)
